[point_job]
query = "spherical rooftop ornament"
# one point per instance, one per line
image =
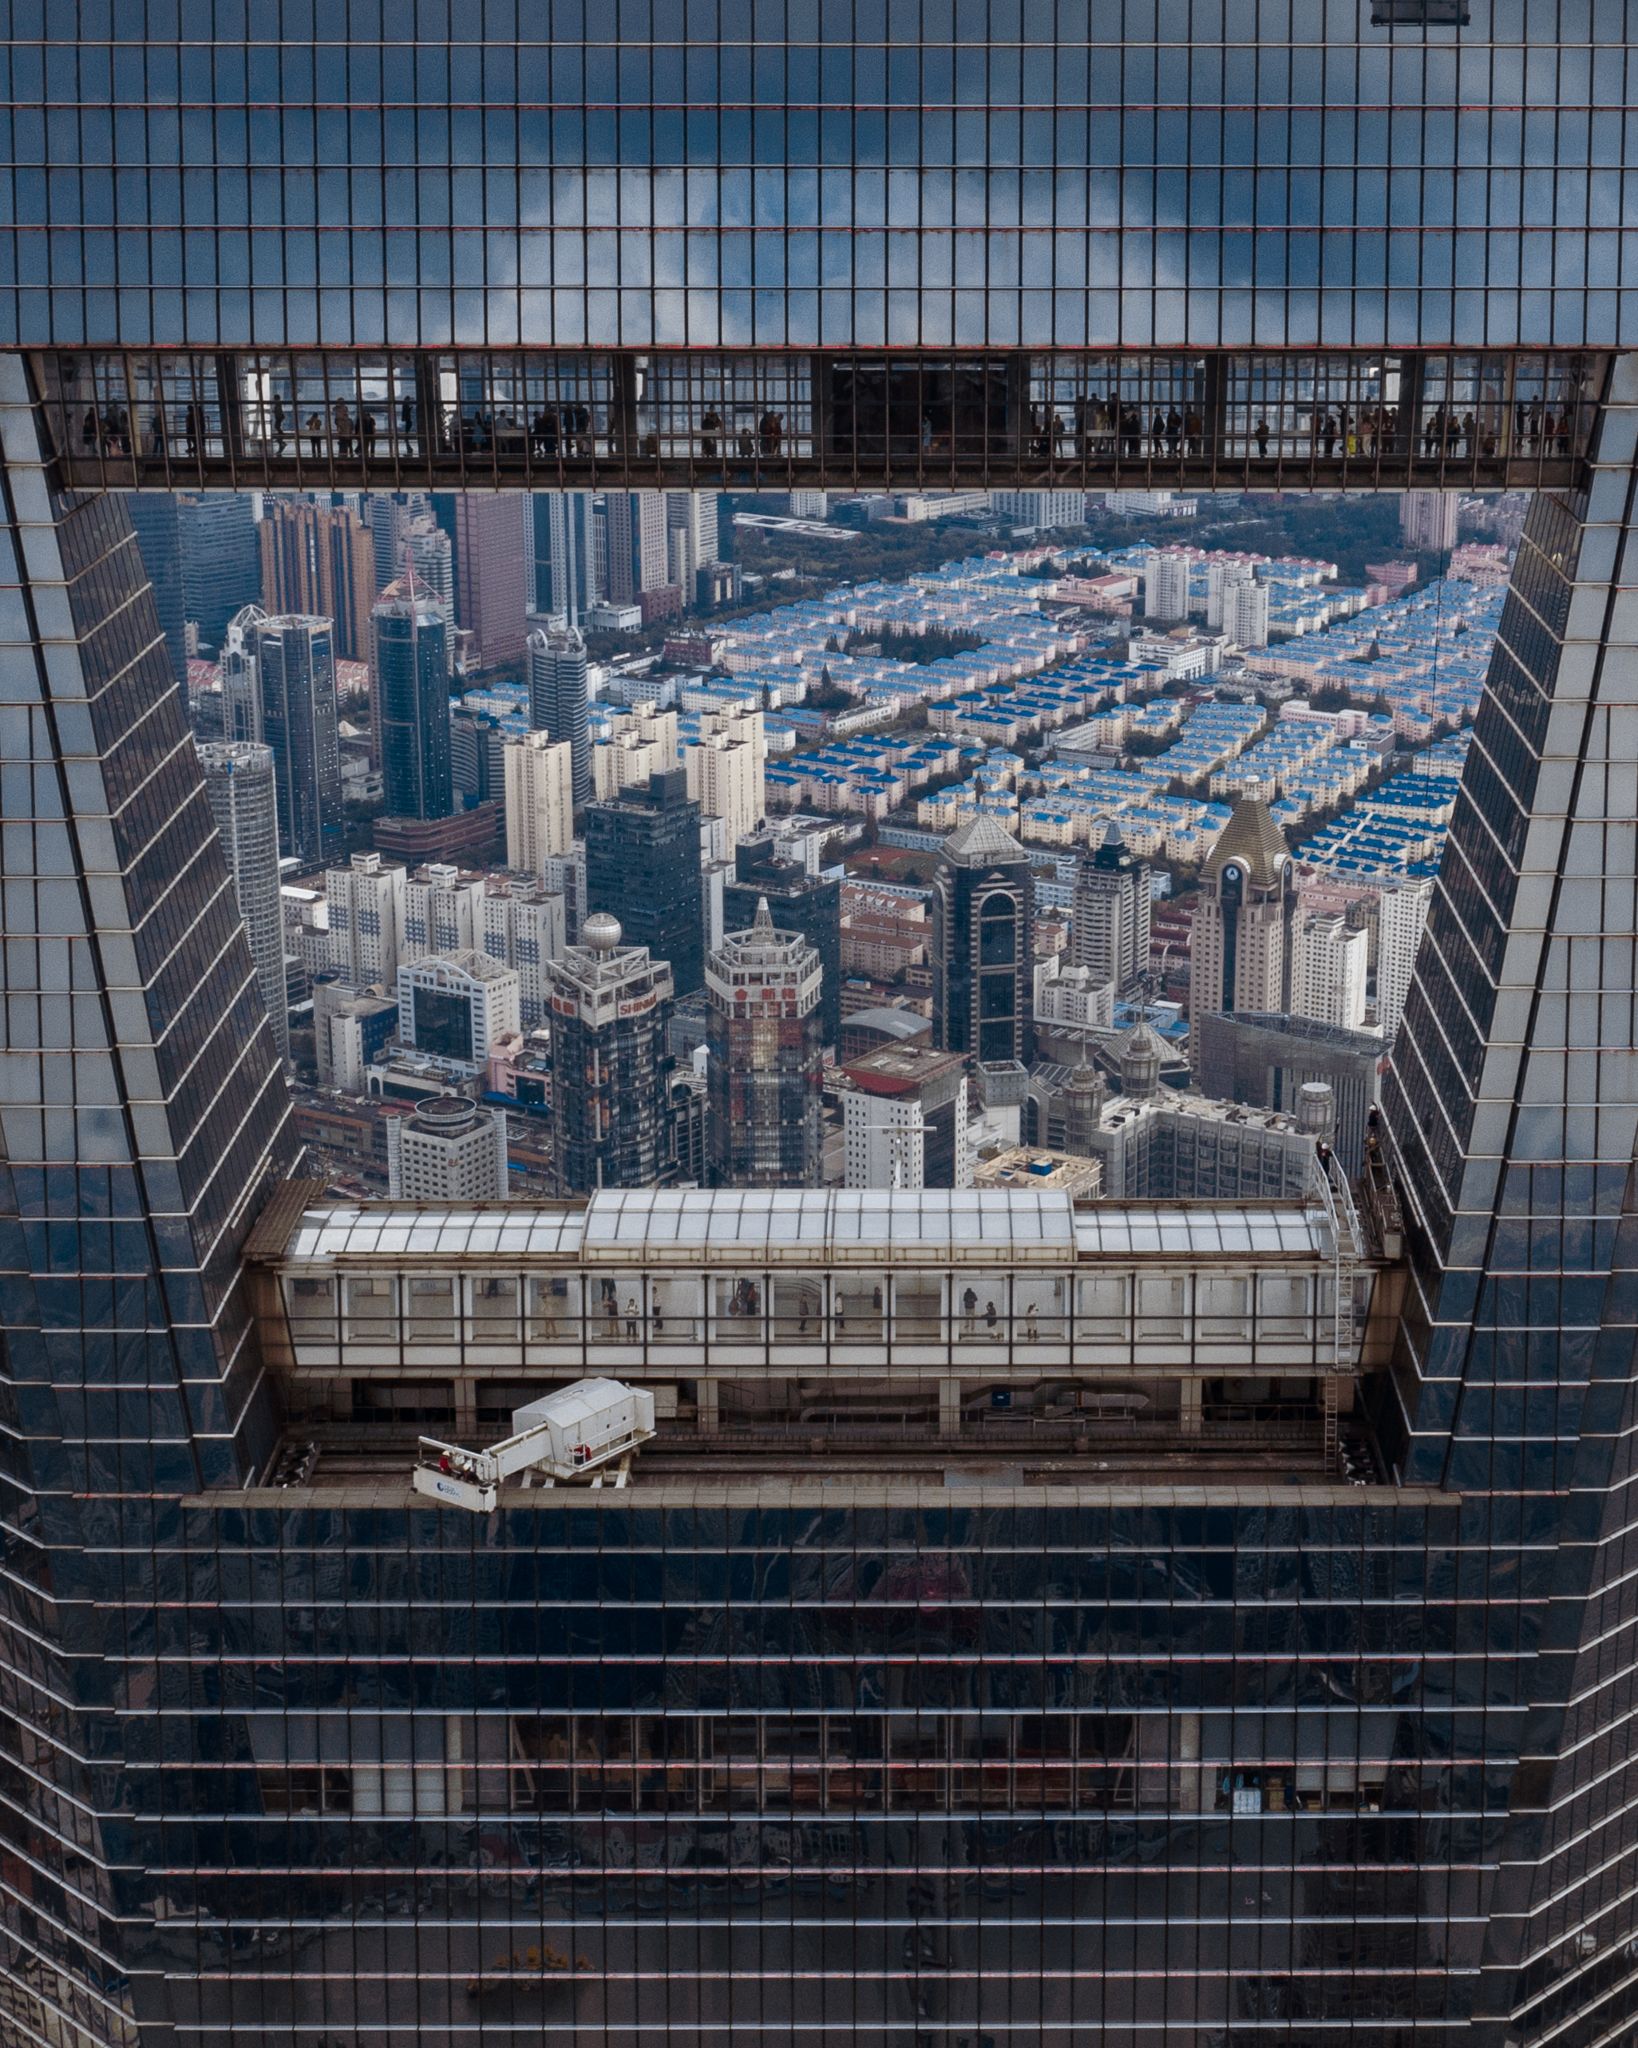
(601, 932)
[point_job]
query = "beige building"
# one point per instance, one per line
(1240, 946)
(644, 743)
(726, 770)
(539, 800)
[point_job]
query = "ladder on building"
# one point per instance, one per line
(1333, 1430)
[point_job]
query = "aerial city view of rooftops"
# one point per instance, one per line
(640, 839)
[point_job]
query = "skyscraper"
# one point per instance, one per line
(221, 570)
(983, 955)
(493, 580)
(1245, 613)
(568, 571)
(1166, 586)
(638, 551)
(450, 1150)
(240, 785)
(539, 801)
(558, 697)
(799, 902)
(643, 866)
(1328, 961)
(691, 538)
(1428, 520)
(241, 681)
(764, 1034)
(155, 522)
(610, 1006)
(726, 768)
(320, 560)
(1401, 916)
(410, 685)
(295, 673)
(1110, 913)
(1299, 1730)
(1240, 951)
(365, 902)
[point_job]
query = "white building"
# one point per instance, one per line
(1040, 508)
(642, 742)
(810, 504)
(525, 927)
(539, 783)
(350, 1030)
(1328, 970)
(1075, 996)
(365, 902)
(239, 783)
(1428, 520)
(443, 911)
(1400, 918)
(450, 1150)
(454, 1006)
(1245, 613)
(726, 771)
(1166, 587)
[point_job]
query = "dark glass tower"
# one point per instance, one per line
(983, 953)
(296, 679)
(143, 1122)
(410, 679)
(154, 520)
(567, 572)
(556, 666)
(643, 866)
(609, 1006)
(766, 1058)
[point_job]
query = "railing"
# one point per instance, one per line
(1055, 420)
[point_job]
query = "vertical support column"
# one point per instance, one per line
(1215, 409)
(230, 407)
(705, 1407)
(949, 1407)
(1189, 1405)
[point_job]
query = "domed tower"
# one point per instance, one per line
(1140, 1059)
(609, 1007)
(1085, 1093)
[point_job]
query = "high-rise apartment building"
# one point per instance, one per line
(295, 676)
(643, 868)
(764, 1036)
(320, 560)
(525, 925)
(726, 768)
(1166, 587)
(638, 551)
(568, 567)
(1110, 913)
(442, 911)
(450, 1150)
(691, 538)
(239, 783)
(983, 944)
(1428, 520)
(642, 743)
(1240, 949)
(1401, 916)
(610, 1009)
(539, 800)
(493, 573)
(1328, 963)
(365, 906)
(1245, 613)
(558, 698)
(409, 682)
(1041, 510)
